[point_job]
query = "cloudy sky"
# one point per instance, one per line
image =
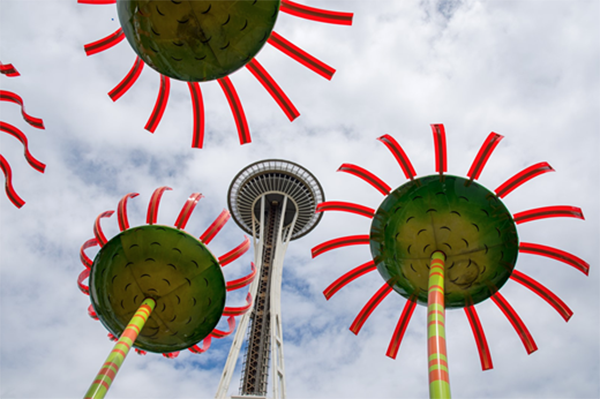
(528, 70)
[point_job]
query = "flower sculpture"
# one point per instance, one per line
(10, 71)
(165, 278)
(203, 40)
(447, 242)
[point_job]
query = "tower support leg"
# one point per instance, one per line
(439, 382)
(115, 359)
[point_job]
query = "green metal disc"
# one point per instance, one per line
(168, 265)
(199, 40)
(456, 216)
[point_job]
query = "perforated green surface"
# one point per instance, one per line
(168, 265)
(197, 40)
(456, 216)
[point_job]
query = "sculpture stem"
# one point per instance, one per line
(113, 362)
(439, 382)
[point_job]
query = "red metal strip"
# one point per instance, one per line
(9, 70)
(104, 43)
(236, 108)
(96, 2)
(219, 333)
(483, 155)
(235, 252)
(8, 186)
(340, 242)
(87, 262)
(98, 233)
(439, 138)
(198, 112)
(400, 155)
(403, 321)
(153, 205)
(548, 212)
(273, 88)
(215, 227)
(348, 278)
(557, 254)
(9, 96)
(370, 307)
(516, 322)
(161, 104)
(316, 14)
(92, 313)
(122, 211)
(19, 135)
(482, 346)
(171, 355)
(367, 176)
(85, 273)
(346, 207)
(522, 177)
(243, 281)
(204, 348)
(543, 293)
(238, 311)
(187, 210)
(282, 44)
(128, 81)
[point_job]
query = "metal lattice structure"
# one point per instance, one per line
(275, 201)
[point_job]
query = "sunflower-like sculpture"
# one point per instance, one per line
(158, 288)
(204, 40)
(447, 242)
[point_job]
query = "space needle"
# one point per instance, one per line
(275, 201)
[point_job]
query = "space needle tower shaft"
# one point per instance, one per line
(275, 201)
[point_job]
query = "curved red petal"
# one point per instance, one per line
(187, 210)
(98, 233)
(8, 186)
(295, 52)
(340, 242)
(19, 135)
(128, 81)
(370, 307)
(522, 177)
(243, 281)
(482, 346)
(235, 253)
(215, 227)
(273, 88)
(483, 155)
(403, 321)
(316, 14)
(198, 113)
(122, 211)
(154, 203)
(347, 278)
(346, 207)
(516, 322)
(87, 262)
(160, 105)
(236, 108)
(105, 43)
(367, 176)
(400, 155)
(9, 96)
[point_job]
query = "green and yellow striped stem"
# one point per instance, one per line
(109, 369)
(439, 382)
